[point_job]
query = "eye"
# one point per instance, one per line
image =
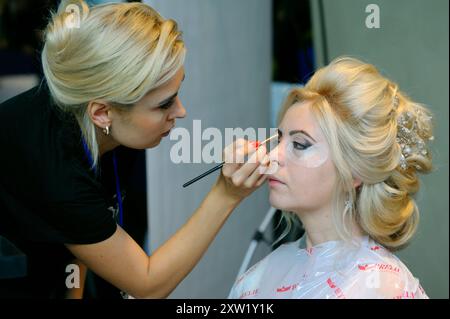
(300, 146)
(167, 105)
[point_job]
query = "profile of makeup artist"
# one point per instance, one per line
(112, 75)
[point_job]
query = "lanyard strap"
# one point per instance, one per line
(118, 192)
(116, 176)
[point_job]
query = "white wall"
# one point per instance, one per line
(228, 74)
(410, 47)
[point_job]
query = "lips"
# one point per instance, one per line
(275, 181)
(167, 132)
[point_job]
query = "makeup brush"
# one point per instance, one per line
(221, 164)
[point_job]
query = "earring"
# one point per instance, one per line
(106, 130)
(348, 204)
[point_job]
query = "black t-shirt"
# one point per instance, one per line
(49, 196)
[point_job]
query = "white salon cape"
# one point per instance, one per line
(332, 270)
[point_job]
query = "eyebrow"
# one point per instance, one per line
(298, 131)
(172, 96)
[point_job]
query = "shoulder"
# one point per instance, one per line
(45, 173)
(37, 95)
(43, 146)
(378, 273)
(247, 284)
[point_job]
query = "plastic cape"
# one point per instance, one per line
(332, 270)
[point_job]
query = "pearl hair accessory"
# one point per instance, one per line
(411, 134)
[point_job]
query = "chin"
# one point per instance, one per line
(151, 144)
(283, 201)
(277, 202)
(154, 144)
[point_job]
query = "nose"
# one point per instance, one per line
(178, 111)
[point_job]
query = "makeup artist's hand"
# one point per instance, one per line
(239, 178)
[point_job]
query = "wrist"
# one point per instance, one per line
(220, 192)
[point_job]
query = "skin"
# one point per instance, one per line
(145, 123)
(119, 259)
(307, 192)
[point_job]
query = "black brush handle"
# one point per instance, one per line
(215, 168)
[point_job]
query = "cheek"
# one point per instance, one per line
(141, 131)
(312, 186)
(148, 123)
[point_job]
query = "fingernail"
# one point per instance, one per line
(255, 144)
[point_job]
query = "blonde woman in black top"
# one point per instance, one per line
(112, 75)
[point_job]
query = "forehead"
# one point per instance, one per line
(300, 117)
(165, 90)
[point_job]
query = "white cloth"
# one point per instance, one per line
(334, 269)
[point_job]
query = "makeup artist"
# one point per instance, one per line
(112, 75)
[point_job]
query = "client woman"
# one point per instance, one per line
(351, 145)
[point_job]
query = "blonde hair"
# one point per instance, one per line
(354, 106)
(117, 52)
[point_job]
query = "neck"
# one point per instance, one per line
(319, 227)
(106, 143)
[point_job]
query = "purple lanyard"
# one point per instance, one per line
(116, 175)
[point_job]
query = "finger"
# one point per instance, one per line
(261, 180)
(231, 151)
(248, 168)
(258, 156)
(247, 147)
(229, 157)
(265, 162)
(237, 151)
(254, 178)
(234, 156)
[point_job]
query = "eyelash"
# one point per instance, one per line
(297, 145)
(167, 105)
(303, 146)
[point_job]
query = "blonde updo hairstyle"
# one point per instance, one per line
(116, 52)
(355, 109)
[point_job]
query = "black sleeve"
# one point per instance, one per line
(80, 219)
(81, 213)
(47, 192)
(82, 222)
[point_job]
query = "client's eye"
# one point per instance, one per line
(300, 146)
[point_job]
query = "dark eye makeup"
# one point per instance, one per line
(303, 145)
(167, 105)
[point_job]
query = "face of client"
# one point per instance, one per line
(304, 181)
(303, 187)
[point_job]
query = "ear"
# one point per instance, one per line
(356, 182)
(99, 112)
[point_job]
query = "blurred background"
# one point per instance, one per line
(243, 56)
